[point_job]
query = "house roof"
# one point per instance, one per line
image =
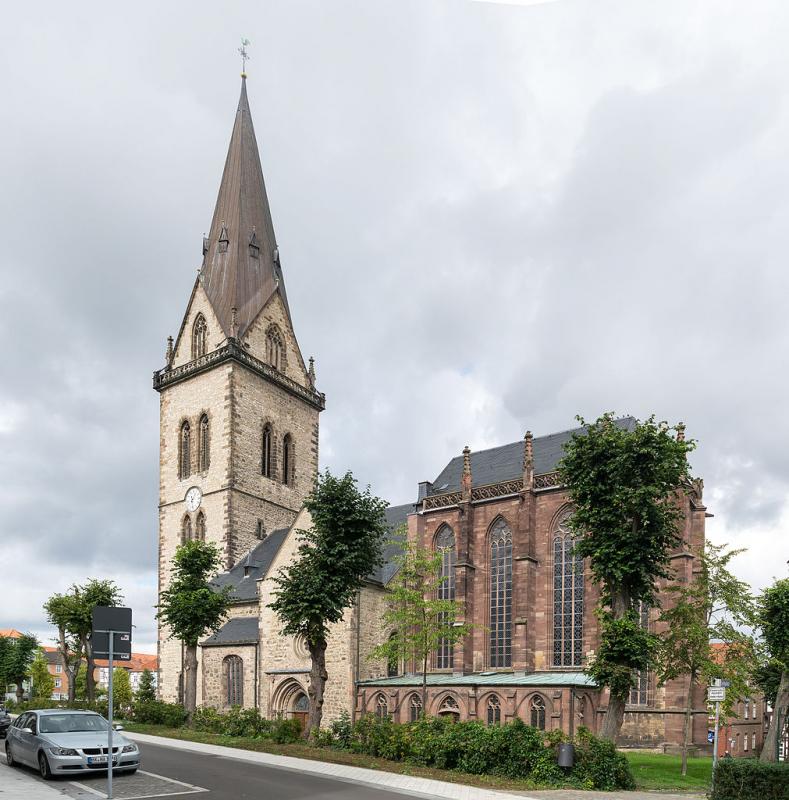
(505, 462)
(240, 630)
(137, 663)
(396, 517)
(11, 633)
(241, 267)
(488, 679)
(242, 577)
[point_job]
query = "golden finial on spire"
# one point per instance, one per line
(242, 51)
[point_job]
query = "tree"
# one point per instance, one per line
(335, 556)
(716, 605)
(5, 651)
(121, 689)
(418, 620)
(42, 683)
(146, 691)
(624, 485)
(18, 660)
(774, 620)
(62, 612)
(191, 607)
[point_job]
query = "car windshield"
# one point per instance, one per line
(71, 723)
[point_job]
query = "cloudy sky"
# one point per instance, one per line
(492, 217)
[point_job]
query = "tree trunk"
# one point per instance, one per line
(90, 666)
(318, 678)
(20, 692)
(424, 686)
(190, 679)
(687, 726)
(70, 664)
(780, 714)
(612, 721)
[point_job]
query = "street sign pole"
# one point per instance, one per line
(715, 743)
(109, 716)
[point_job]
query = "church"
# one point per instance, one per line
(239, 423)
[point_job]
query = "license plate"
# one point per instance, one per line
(101, 759)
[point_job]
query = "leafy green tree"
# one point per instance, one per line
(418, 620)
(767, 676)
(774, 619)
(623, 485)
(5, 651)
(42, 683)
(336, 554)
(716, 605)
(121, 690)
(62, 612)
(18, 660)
(191, 607)
(146, 691)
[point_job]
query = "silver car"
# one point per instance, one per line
(60, 741)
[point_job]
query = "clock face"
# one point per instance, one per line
(193, 498)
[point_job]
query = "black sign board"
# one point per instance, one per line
(117, 620)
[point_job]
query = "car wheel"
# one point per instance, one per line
(43, 767)
(131, 771)
(9, 756)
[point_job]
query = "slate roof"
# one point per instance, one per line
(488, 679)
(241, 630)
(259, 559)
(505, 462)
(231, 276)
(395, 517)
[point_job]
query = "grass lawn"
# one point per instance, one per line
(656, 771)
(651, 771)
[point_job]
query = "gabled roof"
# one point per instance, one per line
(240, 262)
(488, 679)
(241, 630)
(396, 516)
(255, 564)
(505, 462)
(10, 633)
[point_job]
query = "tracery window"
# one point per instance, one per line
(639, 694)
(185, 451)
(500, 595)
(494, 710)
(234, 681)
(415, 708)
(449, 708)
(199, 336)
(445, 544)
(200, 527)
(537, 712)
(267, 454)
(275, 351)
(568, 598)
(186, 529)
(287, 459)
(204, 445)
(381, 707)
(392, 664)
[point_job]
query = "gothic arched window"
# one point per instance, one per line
(185, 451)
(393, 662)
(449, 708)
(568, 598)
(287, 459)
(537, 712)
(267, 454)
(275, 351)
(500, 595)
(414, 708)
(234, 681)
(494, 710)
(200, 527)
(199, 335)
(204, 445)
(381, 707)
(639, 694)
(186, 529)
(445, 544)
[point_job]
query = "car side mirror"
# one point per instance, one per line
(27, 730)
(117, 727)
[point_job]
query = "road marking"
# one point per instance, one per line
(188, 788)
(82, 786)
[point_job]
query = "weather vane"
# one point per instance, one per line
(244, 55)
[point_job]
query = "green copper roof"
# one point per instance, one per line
(488, 679)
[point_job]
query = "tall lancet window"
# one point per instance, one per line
(199, 335)
(234, 680)
(204, 452)
(267, 454)
(275, 352)
(200, 527)
(568, 598)
(287, 459)
(445, 544)
(185, 451)
(186, 530)
(500, 594)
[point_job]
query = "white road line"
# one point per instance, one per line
(82, 786)
(188, 788)
(170, 780)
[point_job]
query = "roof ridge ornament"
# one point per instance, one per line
(465, 481)
(242, 51)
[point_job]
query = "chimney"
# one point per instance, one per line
(465, 481)
(528, 461)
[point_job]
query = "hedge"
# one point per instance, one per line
(749, 779)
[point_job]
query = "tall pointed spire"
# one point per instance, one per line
(241, 260)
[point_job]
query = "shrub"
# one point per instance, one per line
(157, 712)
(598, 765)
(747, 779)
(284, 731)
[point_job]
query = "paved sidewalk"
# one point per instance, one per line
(392, 782)
(575, 794)
(19, 783)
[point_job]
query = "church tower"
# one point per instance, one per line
(238, 442)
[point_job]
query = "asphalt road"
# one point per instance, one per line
(228, 779)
